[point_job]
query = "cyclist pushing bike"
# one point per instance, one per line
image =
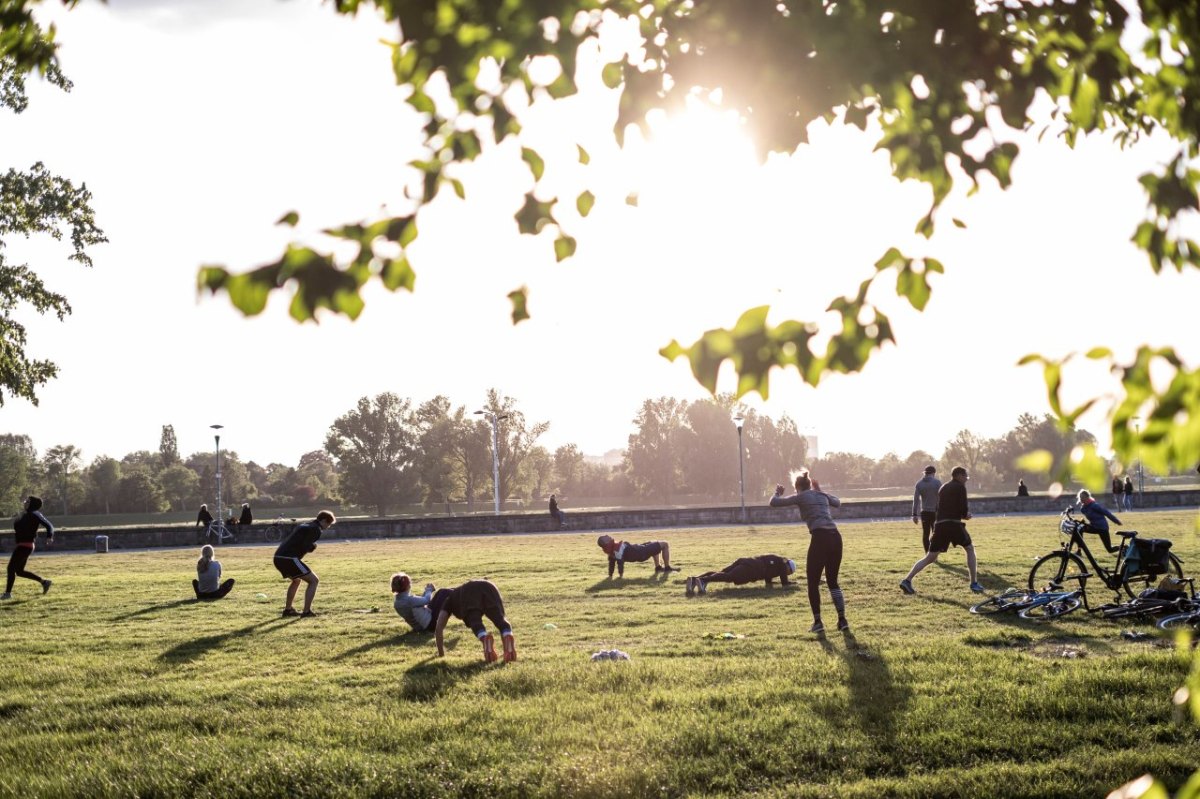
(1097, 517)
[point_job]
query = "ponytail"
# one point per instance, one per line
(206, 556)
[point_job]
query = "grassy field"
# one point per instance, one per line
(118, 684)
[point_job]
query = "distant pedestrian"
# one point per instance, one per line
(289, 560)
(204, 518)
(1022, 491)
(1118, 492)
(924, 508)
(949, 528)
(621, 551)
(25, 530)
(824, 545)
(1097, 517)
(421, 610)
(247, 517)
(744, 570)
(470, 602)
(208, 585)
(555, 512)
(1128, 493)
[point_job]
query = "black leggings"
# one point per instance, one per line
(740, 572)
(479, 598)
(16, 567)
(824, 554)
(221, 591)
(928, 517)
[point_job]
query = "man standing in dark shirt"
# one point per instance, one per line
(289, 560)
(949, 528)
(25, 529)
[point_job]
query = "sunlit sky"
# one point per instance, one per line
(196, 125)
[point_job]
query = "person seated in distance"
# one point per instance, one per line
(621, 551)
(744, 570)
(419, 610)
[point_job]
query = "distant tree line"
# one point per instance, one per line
(387, 452)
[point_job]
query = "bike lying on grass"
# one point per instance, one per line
(1139, 561)
(1173, 596)
(1033, 605)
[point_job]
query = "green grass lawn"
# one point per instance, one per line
(116, 683)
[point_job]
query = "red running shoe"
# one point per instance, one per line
(489, 649)
(510, 647)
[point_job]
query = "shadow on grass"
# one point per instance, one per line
(619, 583)
(155, 608)
(190, 650)
(986, 578)
(875, 697)
(409, 640)
(433, 677)
(730, 591)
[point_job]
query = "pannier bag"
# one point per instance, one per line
(1148, 556)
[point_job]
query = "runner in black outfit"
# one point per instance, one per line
(470, 602)
(26, 527)
(824, 547)
(289, 560)
(744, 570)
(950, 528)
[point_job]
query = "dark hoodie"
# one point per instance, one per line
(26, 525)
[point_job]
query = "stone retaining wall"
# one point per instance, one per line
(587, 521)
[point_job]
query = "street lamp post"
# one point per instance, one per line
(495, 420)
(1137, 429)
(740, 420)
(220, 510)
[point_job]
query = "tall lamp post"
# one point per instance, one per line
(1137, 429)
(495, 420)
(740, 420)
(220, 510)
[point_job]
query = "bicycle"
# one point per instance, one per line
(1033, 605)
(1155, 602)
(218, 533)
(1066, 564)
(1181, 621)
(278, 529)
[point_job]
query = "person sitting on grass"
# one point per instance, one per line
(289, 560)
(621, 551)
(419, 611)
(208, 586)
(470, 602)
(744, 570)
(1097, 517)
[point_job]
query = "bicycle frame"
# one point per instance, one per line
(1075, 544)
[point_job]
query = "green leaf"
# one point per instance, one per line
(564, 247)
(1039, 461)
(584, 158)
(518, 299)
(534, 215)
(958, 223)
(585, 202)
(536, 165)
(397, 274)
(613, 74)
(457, 185)
(291, 219)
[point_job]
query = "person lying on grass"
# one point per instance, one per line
(420, 610)
(744, 570)
(470, 602)
(621, 551)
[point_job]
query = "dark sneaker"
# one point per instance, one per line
(843, 625)
(701, 586)
(670, 569)
(46, 586)
(906, 587)
(818, 627)
(308, 614)
(689, 586)
(977, 588)
(660, 569)
(290, 612)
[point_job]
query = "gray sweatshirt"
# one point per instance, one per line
(210, 578)
(414, 609)
(926, 494)
(814, 507)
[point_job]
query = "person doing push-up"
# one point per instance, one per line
(621, 551)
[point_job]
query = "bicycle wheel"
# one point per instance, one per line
(1052, 609)
(1180, 621)
(1060, 568)
(274, 534)
(1139, 582)
(1008, 601)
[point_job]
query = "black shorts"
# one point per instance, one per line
(291, 568)
(636, 553)
(947, 532)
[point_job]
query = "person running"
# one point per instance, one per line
(924, 509)
(25, 529)
(1097, 517)
(824, 546)
(289, 560)
(470, 602)
(208, 585)
(950, 528)
(419, 611)
(619, 552)
(742, 571)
